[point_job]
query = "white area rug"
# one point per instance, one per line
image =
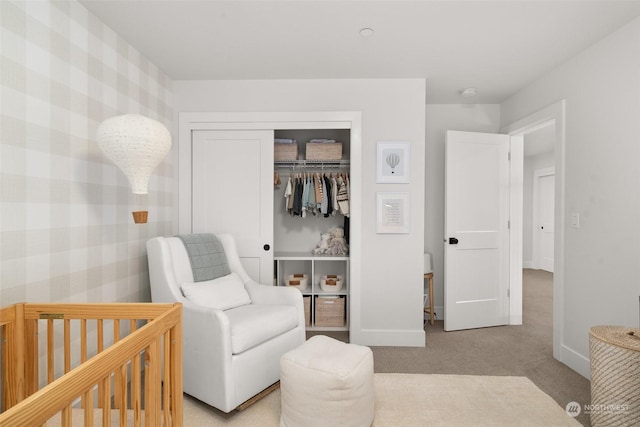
(420, 400)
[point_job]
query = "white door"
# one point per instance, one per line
(546, 228)
(476, 279)
(232, 192)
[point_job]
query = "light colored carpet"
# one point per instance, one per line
(419, 400)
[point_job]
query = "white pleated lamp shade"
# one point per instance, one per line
(136, 144)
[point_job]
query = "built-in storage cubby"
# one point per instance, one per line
(323, 281)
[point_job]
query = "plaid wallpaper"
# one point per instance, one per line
(66, 230)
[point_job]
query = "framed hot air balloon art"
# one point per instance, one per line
(392, 163)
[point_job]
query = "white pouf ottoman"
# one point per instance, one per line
(326, 382)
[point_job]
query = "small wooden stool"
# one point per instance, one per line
(429, 310)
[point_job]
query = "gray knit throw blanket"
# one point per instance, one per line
(208, 260)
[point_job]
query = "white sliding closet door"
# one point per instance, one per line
(232, 192)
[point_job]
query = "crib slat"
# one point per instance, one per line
(31, 357)
(152, 385)
(19, 352)
(105, 385)
(122, 404)
(87, 398)
(101, 389)
(117, 376)
(134, 381)
(87, 404)
(83, 340)
(66, 412)
(66, 417)
(50, 347)
(83, 352)
(136, 373)
(67, 345)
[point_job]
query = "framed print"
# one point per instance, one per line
(392, 213)
(393, 162)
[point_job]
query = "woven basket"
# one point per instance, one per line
(285, 152)
(298, 281)
(331, 283)
(329, 311)
(140, 217)
(307, 310)
(323, 151)
(615, 375)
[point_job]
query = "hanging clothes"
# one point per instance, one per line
(325, 194)
(312, 196)
(348, 181)
(343, 196)
(318, 188)
(287, 195)
(334, 195)
(324, 203)
(328, 196)
(305, 196)
(297, 202)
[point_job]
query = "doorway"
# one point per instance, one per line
(538, 198)
(553, 115)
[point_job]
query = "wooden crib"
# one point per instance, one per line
(105, 364)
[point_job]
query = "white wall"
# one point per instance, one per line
(601, 87)
(531, 164)
(392, 110)
(439, 119)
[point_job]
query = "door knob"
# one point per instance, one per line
(453, 241)
(266, 247)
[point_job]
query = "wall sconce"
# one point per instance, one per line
(136, 144)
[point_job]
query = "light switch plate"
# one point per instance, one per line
(575, 220)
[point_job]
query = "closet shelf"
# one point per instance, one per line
(311, 163)
(291, 256)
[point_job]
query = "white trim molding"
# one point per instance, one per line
(554, 113)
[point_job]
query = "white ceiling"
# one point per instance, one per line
(496, 46)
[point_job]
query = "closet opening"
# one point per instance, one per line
(311, 230)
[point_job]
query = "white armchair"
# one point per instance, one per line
(229, 355)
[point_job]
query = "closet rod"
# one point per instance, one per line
(311, 164)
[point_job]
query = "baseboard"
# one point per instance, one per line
(515, 319)
(576, 361)
(388, 338)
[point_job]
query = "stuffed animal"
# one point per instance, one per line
(337, 243)
(323, 244)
